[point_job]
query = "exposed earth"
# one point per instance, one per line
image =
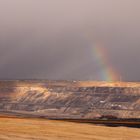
(71, 99)
(22, 103)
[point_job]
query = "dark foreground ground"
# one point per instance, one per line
(112, 122)
(40, 129)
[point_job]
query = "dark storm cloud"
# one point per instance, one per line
(53, 39)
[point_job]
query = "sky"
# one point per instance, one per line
(70, 39)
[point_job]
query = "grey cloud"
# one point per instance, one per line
(53, 39)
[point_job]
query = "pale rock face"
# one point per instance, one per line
(63, 99)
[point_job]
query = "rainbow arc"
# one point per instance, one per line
(107, 71)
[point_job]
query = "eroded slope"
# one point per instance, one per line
(64, 99)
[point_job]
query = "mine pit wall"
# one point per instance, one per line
(56, 99)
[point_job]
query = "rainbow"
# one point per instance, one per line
(107, 72)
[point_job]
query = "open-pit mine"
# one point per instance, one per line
(71, 99)
(42, 110)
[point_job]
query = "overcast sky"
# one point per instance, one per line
(54, 39)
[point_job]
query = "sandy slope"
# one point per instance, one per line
(36, 129)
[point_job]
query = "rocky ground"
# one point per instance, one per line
(71, 99)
